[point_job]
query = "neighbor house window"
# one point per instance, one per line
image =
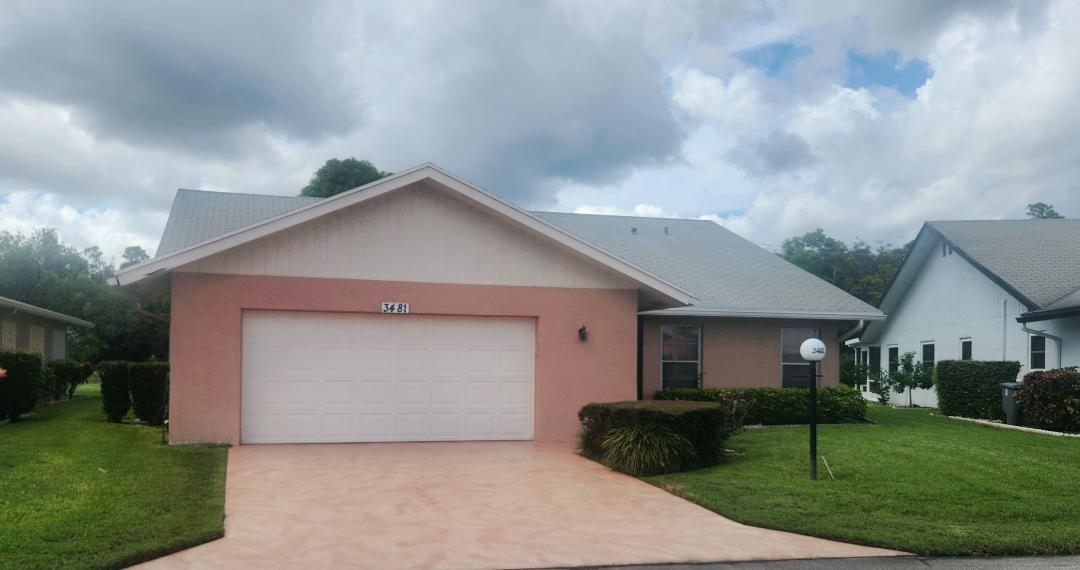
(928, 355)
(965, 349)
(1038, 352)
(894, 359)
(875, 361)
(680, 356)
(793, 369)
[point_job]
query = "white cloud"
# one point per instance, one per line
(640, 210)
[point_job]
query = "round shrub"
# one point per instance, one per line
(646, 449)
(1050, 399)
(21, 385)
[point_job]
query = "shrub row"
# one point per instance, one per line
(780, 406)
(1050, 399)
(144, 385)
(972, 388)
(652, 437)
(64, 376)
(21, 385)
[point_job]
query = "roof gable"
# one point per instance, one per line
(133, 277)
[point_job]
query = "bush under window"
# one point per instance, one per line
(972, 388)
(780, 406)
(21, 385)
(1050, 399)
(652, 437)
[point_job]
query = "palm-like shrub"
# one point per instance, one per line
(646, 449)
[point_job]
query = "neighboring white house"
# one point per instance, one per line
(982, 290)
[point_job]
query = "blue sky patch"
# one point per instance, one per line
(774, 59)
(885, 69)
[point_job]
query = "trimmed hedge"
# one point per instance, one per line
(651, 437)
(21, 385)
(1050, 399)
(115, 394)
(972, 388)
(780, 406)
(66, 375)
(149, 384)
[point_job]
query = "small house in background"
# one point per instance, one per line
(26, 327)
(982, 290)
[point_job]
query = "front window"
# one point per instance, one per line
(680, 356)
(793, 368)
(1038, 352)
(928, 356)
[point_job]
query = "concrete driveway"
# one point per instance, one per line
(466, 505)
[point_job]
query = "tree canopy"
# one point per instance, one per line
(1043, 211)
(861, 270)
(40, 270)
(337, 176)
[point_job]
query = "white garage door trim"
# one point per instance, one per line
(348, 377)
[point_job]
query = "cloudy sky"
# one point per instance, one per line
(772, 118)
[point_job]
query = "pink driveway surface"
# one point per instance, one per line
(465, 505)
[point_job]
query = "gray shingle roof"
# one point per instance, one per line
(1039, 259)
(198, 215)
(727, 273)
(724, 271)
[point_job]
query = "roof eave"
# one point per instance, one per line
(29, 309)
(1048, 314)
(767, 314)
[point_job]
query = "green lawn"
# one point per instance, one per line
(77, 492)
(913, 482)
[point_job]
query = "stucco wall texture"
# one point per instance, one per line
(206, 338)
(736, 352)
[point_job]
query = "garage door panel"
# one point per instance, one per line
(311, 377)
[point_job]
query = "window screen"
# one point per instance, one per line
(928, 356)
(680, 356)
(894, 359)
(1038, 352)
(793, 367)
(965, 349)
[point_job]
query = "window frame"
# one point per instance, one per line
(970, 348)
(933, 354)
(1032, 352)
(893, 365)
(700, 332)
(816, 333)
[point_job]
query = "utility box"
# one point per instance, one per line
(1009, 402)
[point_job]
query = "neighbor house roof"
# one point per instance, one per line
(148, 278)
(20, 307)
(729, 275)
(1036, 261)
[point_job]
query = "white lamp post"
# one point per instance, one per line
(813, 351)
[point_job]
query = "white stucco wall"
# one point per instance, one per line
(949, 300)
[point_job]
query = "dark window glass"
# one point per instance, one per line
(680, 356)
(1038, 352)
(965, 350)
(793, 367)
(875, 361)
(894, 359)
(928, 356)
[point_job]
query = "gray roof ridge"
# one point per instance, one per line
(621, 216)
(178, 190)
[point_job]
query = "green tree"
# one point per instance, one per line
(337, 176)
(861, 270)
(908, 376)
(1043, 211)
(40, 270)
(133, 255)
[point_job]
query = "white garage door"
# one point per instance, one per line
(334, 377)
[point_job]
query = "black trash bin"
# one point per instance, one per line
(1009, 402)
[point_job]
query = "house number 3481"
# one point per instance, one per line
(395, 307)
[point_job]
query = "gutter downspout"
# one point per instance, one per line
(1024, 327)
(857, 329)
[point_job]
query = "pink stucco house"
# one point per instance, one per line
(423, 308)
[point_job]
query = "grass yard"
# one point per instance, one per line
(913, 482)
(77, 492)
